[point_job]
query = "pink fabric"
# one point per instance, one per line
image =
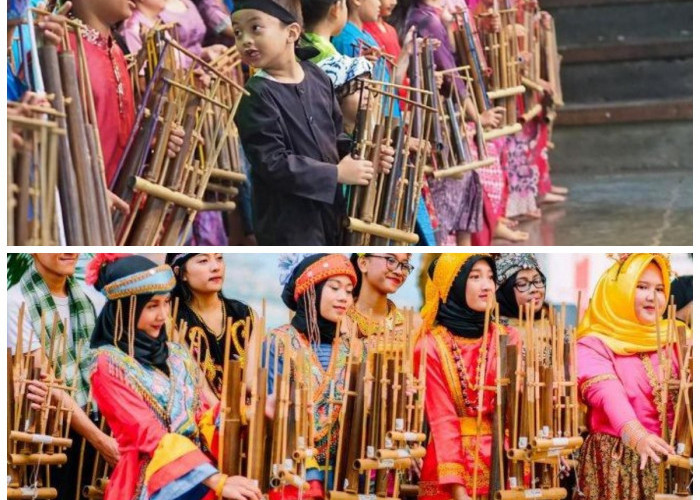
(614, 402)
(131, 30)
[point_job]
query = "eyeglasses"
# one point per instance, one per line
(524, 285)
(392, 263)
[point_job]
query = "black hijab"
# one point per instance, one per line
(300, 322)
(147, 350)
(455, 314)
(508, 304)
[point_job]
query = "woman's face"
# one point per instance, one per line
(204, 273)
(154, 315)
(649, 295)
(480, 286)
(336, 297)
(531, 281)
(387, 7)
(377, 271)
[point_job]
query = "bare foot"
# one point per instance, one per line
(560, 190)
(535, 214)
(503, 231)
(553, 198)
(509, 223)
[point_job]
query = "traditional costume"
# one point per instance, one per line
(293, 137)
(456, 348)
(324, 357)
(148, 390)
(620, 381)
(208, 347)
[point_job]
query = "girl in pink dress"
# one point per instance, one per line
(620, 380)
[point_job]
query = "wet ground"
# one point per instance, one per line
(633, 208)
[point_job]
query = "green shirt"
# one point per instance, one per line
(325, 47)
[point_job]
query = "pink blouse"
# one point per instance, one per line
(618, 389)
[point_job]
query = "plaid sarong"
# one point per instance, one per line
(82, 321)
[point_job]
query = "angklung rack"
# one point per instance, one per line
(61, 157)
(541, 410)
(385, 211)
(450, 135)
(492, 59)
(37, 438)
(676, 471)
(381, 419)
(201, 98)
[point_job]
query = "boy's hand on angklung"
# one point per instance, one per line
(386, 158)
(493, 117)
(355, 172)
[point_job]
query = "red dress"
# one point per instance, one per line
(452, 413)
(167, 436)
(112, 93)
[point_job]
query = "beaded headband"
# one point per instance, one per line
(321, 270)
(157, 280)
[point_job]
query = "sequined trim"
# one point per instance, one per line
(449, 469)
(594, 380)
(655, 384)
(114, 291)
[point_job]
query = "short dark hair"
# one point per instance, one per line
(315, 11)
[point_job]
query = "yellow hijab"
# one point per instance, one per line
(438, 288)
(610, 315)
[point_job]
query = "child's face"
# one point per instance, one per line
(369, 10)
(387, 7)
(113, 11)
(262, 39)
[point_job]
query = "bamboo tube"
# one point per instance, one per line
(375, 229)
(500, 132)
(544, 494)
(417, 452)
(407, 436)
(542, 444)
(679, 461)
(365, 464)
(176, 198)
(32, 493)
(670, 496)
(458, 170)
(25, 437)
(530, 114)
(18, 459)
(218, 173)
(508, 92)
(341, 495)
(288, 478)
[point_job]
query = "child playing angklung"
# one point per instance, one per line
(292, 132)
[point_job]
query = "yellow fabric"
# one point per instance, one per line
(170, 448)
(468, 426)
(437, 288)
(611, 316)
(207, 427)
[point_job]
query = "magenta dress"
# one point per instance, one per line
(618, 389)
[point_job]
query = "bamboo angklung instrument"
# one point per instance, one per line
(381, 419)
(166, 193)
(37, 438)
(385, 211)
(543, 400)
(676, 471)
(61, 157)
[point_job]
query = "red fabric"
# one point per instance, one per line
(485, 236)
(113, 122)
(134, 426)
(292, 493)
(540, 156)
(386, 37)
(447, 446)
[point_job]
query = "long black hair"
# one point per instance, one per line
(398, 17)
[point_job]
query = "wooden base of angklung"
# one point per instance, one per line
(395, 235)
(31, 493)
(548, 494)
(508, 92)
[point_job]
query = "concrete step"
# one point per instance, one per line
(554, 4)
(630, 51)
(627, 80)
(654, 110)
(621, 147)
(623, 22)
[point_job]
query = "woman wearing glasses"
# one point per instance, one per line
(520, 282)
(379, 275)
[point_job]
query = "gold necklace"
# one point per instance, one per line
(222, 331)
